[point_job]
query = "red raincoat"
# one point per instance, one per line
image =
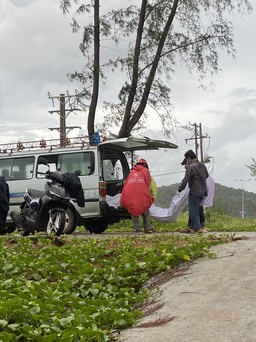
(135, 196)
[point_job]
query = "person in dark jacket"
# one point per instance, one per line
(195, 176)
(203, 229)
(4, 200)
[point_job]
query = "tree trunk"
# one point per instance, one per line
(96, 67)
(125, 131)
(134, 83)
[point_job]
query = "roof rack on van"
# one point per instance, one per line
(37, 144)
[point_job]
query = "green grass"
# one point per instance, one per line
(215, 222)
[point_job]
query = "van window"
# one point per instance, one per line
(112, 169)
(118, 170)
(70, 162)
(108, 170)
(17, 168)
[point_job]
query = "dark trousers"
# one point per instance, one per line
(202, 218)
(194, 211)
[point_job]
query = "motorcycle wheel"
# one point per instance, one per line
(56, 223)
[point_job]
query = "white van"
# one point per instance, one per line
(104, 168)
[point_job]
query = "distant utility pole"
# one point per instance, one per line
(242, 212)
(198, 138)
(63, 113)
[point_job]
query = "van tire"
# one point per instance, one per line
(97, 226)
(70, 224)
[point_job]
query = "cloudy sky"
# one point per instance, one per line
(38, 49)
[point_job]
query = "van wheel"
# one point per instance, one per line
(96, 227)
(70, 222)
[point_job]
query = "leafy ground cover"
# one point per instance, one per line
(84, 289)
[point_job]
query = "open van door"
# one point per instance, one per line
(133, 144)
(136, 144)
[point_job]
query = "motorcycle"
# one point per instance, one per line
(44, 210)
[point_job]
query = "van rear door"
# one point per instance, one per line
(132, 144)
(138, 144)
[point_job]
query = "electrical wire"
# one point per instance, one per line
(166, 174)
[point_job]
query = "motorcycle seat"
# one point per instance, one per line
(36, 193)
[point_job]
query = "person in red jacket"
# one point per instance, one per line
(136, 196)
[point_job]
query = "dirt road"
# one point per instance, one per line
(213, 301)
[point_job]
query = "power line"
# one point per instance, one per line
(166, 174)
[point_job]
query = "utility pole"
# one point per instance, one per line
(201, 137)
(198, 138)
(63, 113)
(242, 212)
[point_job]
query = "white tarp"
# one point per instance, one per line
(170, 214)
(208, 200)
(178, 203)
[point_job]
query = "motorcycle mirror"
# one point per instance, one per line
(42, 160)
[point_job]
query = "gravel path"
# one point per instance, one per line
(214, 300)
